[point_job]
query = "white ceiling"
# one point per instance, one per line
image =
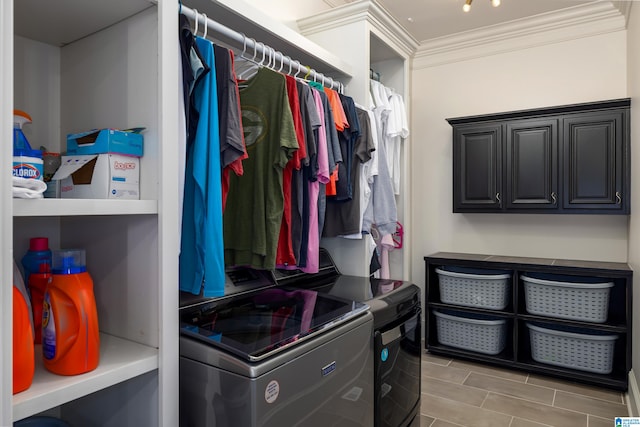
(437, 18)
(433, 18)
(430, 18)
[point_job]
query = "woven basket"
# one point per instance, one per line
(474, 288)
(573, 348)
(481, 334)
(567, 297)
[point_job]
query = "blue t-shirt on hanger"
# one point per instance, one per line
(202, 246)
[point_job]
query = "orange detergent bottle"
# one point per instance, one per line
(70, 337)
(23, 348)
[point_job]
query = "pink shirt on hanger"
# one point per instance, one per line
(313, 247)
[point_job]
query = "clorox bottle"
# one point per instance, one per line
(27, 162)
(70, 337)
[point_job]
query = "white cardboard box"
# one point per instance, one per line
(99, 176)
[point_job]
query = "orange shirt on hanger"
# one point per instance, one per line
(341, 122)
(339, 116)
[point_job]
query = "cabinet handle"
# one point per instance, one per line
(554, 197)
(498, 197)
(618, 198)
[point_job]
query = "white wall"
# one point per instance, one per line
(633, 58)
(582, 70)
(37, 89)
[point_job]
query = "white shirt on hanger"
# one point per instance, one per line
(397, 131)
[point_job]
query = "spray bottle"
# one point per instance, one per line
(27, 162)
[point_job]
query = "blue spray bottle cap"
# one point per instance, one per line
(21, 146)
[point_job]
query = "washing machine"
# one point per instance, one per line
(276, 356)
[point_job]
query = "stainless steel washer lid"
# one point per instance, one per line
(267, 321)
(210, 355)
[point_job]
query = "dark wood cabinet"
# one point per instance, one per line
(596, 169)
(567, 159)
(478, 170)
(516, 351)
(532, 164)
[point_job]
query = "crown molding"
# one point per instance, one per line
(624, 7)
(334, 3)
(364, 10)
(548, 28)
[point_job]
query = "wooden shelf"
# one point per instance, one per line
(120, 360)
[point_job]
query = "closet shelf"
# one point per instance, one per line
(242, 16)
(75, 207)
(54, 24)
(120, 360)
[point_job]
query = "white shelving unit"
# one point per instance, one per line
(76, 65)
(71, 207)
(370, 38)
(119, 360)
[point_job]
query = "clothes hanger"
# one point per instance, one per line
(244, 45)
(206, 27)
(255, 50)
(241, 75)
(263, 53)
(272, 58)
(299, 69)
(195, 28)
(267, 55)
(281, 62)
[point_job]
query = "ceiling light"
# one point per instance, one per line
(467, 4)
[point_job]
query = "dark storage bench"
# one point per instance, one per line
(581, 305)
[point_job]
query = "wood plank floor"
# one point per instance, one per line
(460, 393)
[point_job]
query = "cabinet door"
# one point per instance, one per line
(595, 176)
(532, 164)
(477, 168)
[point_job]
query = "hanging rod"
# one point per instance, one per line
(275, 57)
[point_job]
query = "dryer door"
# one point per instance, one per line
(397, 354)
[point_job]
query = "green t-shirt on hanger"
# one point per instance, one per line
(255, 201)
